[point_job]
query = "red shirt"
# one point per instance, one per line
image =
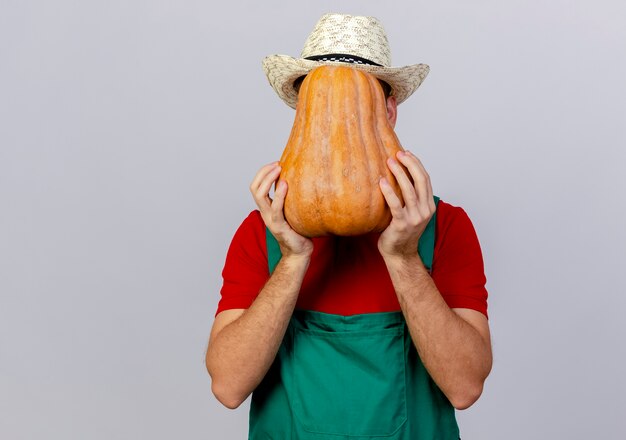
(348, 276)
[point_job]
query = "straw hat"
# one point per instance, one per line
(340, 38)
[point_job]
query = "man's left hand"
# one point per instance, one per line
(409, 221)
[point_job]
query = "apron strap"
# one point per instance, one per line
(273, 250)
(425, 247)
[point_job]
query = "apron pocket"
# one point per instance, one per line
(349, 383)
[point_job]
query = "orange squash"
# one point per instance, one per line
(336, 155)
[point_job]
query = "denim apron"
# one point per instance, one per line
(356, 377)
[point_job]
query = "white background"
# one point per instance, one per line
(129, 133)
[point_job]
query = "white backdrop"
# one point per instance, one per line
(129, 133)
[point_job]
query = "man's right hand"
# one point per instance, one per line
(291, 243)
(244, 342)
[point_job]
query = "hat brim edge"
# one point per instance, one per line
(282, 70)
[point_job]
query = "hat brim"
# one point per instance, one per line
(283, 70)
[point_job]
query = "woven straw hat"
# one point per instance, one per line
(340, 38)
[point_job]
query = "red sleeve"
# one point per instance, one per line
(245, 270)
(458, 270)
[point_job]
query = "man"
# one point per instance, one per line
(352, 337)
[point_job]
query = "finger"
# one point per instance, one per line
(279, 226)
(279, 196)
(276, 209)
(261, 193)
(431, 199)
(427, 185)
(406, 186)
(394, 203)
(418, 173)
(263, 190)
(261, 174)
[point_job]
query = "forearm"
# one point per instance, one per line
(453, 351)
(242, 352)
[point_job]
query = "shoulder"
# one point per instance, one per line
(449, 215)
(249, 239)
(253, 223)
(245, 269)
(458, 268)
(454, 230)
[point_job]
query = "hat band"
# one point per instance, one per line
(344, 58)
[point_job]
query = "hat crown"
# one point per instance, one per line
(345, 34)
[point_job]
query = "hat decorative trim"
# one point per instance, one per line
(344, 58)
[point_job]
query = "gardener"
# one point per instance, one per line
(381, 335)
